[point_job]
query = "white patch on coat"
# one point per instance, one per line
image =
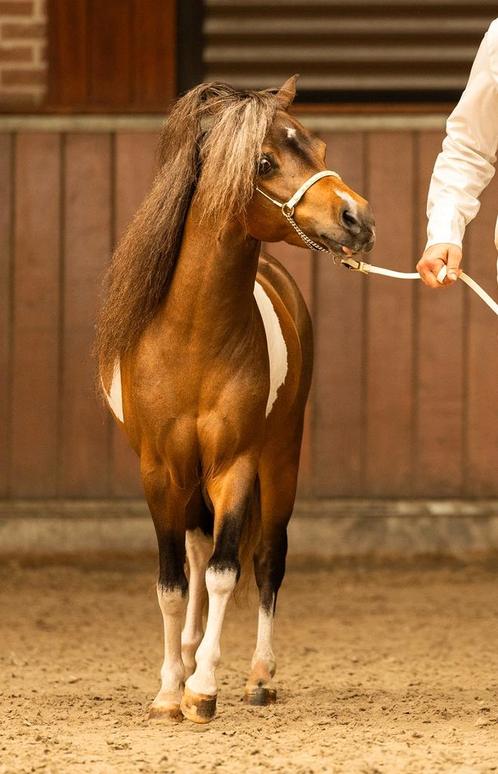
(353, 205)
(115, 396)
(291, 132)
(199, 549)
(220, 584)
(172, 604)
(277, 353)
(277, 348)
(264, 643)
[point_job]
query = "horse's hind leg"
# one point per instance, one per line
(167, 507)
(277, 492)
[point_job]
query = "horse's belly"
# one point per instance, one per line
(277, 354)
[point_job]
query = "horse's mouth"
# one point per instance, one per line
(338, 249)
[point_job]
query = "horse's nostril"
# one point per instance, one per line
(350, 221)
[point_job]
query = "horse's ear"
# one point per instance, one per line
(287, 92)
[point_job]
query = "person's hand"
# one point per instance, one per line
(433, 260)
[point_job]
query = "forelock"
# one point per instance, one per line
(230, 150)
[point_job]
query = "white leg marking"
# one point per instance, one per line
(220, 585)
(172, 605)
(114, 396)
(199, 549)
(264, 643)
(277, 348)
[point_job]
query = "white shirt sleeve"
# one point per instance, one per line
(466, 164)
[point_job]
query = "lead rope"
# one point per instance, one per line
(353, 264)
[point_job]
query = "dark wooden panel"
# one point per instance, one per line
(135, 167)
(110, 47)
(439, 364)
(84, 467)
(339, 301)
(300, 264)
(390, 356)
(115, 56)
(482, 364)
(68, 48)
(154, 64)
(36, 313)
(5, 305)
(389, 318)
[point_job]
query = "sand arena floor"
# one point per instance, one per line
(379, 671)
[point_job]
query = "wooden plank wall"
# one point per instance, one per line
(403, 394)
(105, 56)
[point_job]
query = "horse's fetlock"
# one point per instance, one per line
(172, 677)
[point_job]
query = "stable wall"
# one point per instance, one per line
(403, 399)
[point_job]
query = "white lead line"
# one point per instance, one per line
(472, 284)
(366, 268)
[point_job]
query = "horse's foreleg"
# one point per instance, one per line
(168, 512)
(199, 550)
(231, 497)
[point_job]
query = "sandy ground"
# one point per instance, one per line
(379, 671)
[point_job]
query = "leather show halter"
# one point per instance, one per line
(287, 208)
(354, 264)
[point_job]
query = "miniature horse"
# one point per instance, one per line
(205, 352)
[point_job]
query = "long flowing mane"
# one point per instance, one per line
(209, 148)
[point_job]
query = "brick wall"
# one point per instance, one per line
(23, 43)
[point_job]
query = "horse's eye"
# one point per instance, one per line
(265, 166)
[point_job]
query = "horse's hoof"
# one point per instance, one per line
(198, 707)
(260, 695)
(165, 712)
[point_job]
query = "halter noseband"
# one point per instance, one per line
(287, 208)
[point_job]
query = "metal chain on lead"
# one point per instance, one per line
(287, 208)
(307, 241)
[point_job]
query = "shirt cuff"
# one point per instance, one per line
(446, 225)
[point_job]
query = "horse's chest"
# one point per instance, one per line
(277, 355)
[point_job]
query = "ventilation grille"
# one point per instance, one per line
(356, 48)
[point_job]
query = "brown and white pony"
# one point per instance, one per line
(205, 352)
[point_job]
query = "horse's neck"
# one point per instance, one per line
(213, 281)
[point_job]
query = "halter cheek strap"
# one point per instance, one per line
(288, 207)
